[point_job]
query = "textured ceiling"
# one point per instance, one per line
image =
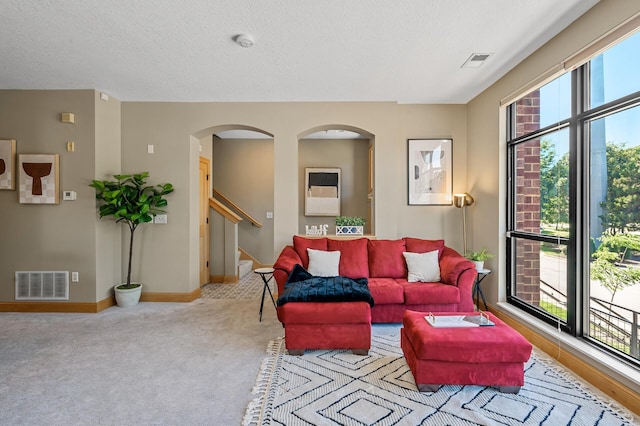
(408, 51)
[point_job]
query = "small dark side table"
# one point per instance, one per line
(477, 288)
(266, 274)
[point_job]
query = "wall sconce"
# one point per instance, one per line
(462, 201)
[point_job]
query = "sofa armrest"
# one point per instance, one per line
(459, 271)
(287, 259)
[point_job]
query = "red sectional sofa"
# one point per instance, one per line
(383, 264)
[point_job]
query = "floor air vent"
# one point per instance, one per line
(42, 285)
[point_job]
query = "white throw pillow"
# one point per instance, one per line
(423, 267)
(323, 263)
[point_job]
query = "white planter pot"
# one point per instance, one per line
(479, 264)
(349, 230)
(127, 297)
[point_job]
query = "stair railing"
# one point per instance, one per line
(236, 208)
(224, 210)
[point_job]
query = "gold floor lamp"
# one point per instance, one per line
(462, 201)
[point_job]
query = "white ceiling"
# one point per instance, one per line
(407, 51)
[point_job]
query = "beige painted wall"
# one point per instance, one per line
(424, 122)
(352, 157)
(109, 235)
(166, 256)
(243, 172)
(173, 127)
(487, 170)
(51, 237)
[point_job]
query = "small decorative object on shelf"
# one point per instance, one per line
(478, 258)
(316, 230)
(347, 225)
(349, 230)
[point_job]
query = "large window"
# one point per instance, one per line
(574, 201)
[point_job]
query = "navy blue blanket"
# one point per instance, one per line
(301, 286)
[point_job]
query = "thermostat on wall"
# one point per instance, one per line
(68, 195)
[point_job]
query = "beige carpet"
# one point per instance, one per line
(153, 364)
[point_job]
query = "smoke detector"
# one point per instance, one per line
(244, 40)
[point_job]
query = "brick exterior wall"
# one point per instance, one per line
(528, 199)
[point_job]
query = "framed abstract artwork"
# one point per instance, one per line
(39, 178)
(7, 164)
(430, 177)
(322, 192)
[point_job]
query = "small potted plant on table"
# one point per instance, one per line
(478, 258)
(129, 199)
(350, 225)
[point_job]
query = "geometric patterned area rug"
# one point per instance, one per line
(248, 287)
(336, 387)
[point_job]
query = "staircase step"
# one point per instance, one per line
(244, 267)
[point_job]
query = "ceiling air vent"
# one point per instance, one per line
(476, 60)
(42, 285)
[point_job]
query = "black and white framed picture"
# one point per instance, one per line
(430, 177)
(322, 191)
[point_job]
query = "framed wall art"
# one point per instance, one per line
(430, 177)
(322, 191)
(7, 164)
(39, 178)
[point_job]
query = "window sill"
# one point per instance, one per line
(609, 365)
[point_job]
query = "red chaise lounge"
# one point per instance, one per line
(347, 325)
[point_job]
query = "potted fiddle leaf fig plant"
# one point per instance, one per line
(478, 258)
(350, 225)
(128, 199)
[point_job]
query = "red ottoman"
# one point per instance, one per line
(326, 325)
(486, 356)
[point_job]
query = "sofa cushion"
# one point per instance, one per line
(301, 244)
(429, 293)
(323, 263)
(417, 245)
(354, 261)
(423, 267)
(385, 258)
(386, 291)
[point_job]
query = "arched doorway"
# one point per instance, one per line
(350, 150)
(240, 180)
